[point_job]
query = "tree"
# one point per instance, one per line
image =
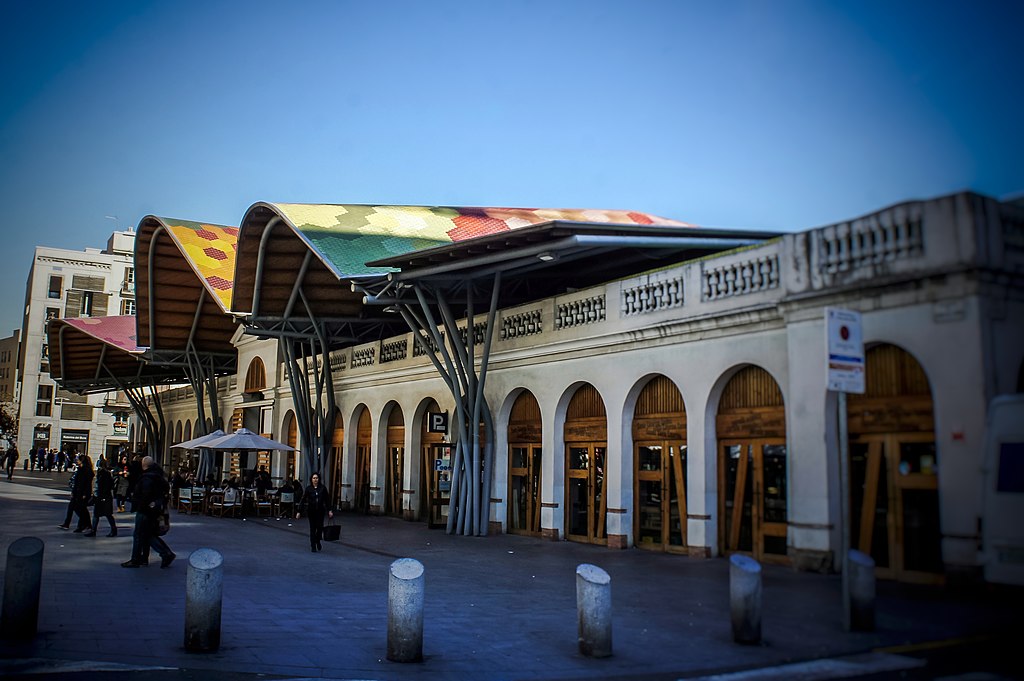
(8, 423)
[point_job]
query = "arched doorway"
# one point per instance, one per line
(435, 472)
(395, 464)
(752, 467)
(364, 445)
(659, 458)
(586, 445)
(524, 461)
(337, 467)
(291, 434)
(894, 484)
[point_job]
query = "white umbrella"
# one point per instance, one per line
(201, 441)
(243, 438)
(204, 457)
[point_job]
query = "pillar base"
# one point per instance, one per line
(549, 533)
(699, 552)
(809, 560)
(618, 541)
(494, 527)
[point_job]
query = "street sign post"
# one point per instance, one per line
(844, 356)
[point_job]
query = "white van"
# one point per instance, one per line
(1002, 529)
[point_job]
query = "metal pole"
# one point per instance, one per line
(844, 510)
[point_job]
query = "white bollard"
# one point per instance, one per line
(594, 610)
(405, 611)
(204, 587)
(745, 598)
(22, 580)
(862, 590)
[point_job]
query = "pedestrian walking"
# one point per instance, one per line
(149, 501)
(104, 501)
(12, 460)
(316, 502)
(81, 490)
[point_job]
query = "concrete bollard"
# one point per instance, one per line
(745, 598)
(22, 580)
(204, 587)
(862, 590)
(594, 610)
(405, 611)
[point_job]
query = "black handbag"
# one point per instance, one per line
(163, 524)
(332, 532)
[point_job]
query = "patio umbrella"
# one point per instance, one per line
(244, 440)
(201, 442)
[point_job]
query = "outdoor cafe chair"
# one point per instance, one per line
(185, 500)
(285, 499)
(228, 502)
(262, 503)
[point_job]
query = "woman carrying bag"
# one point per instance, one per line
(316, 501)
(104, 501)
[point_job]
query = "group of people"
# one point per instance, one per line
(144, 486)
(149, 493)
(314, 501)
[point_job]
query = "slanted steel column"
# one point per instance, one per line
(455, 361)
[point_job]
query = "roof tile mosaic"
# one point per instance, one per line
(348, 236)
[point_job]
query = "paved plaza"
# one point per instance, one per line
(500, 607)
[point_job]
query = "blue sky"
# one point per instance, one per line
(766, 114)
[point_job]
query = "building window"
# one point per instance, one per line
(56, 284)
(44, 400)
(51, 313)
(87, 297)
(46, 351)
(128, 307)
(129, 275)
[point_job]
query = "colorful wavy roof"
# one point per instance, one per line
(351, 235)
(118, 331)
(210, 251)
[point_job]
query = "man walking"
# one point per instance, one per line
(149, 501)
(11, 460)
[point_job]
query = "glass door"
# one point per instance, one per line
(524, 489)
(586, 504)
(894, 505)
(393, 481)
(660, 496)
(362, 482)
(754, 505)
(437, 471)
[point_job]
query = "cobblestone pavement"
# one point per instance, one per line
(500, 607)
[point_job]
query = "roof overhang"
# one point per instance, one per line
(185, 273)
(550, 259)
(97, 354)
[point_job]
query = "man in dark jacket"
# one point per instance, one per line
(149, 501)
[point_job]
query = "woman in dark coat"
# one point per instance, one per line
(104, 496)
(316, 501)
(81, 492)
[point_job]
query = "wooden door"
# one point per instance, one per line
(660, 493)
(586, 502)
(393, 481)
(524, 462)
(894, 505)
(753, 504)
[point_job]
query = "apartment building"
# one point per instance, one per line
(69, 283)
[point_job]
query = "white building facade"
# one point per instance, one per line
(686, 410)
(65, 283)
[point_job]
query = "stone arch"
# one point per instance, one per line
(659, 456)
(585, 433)
(753, 470)
(894, 467)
